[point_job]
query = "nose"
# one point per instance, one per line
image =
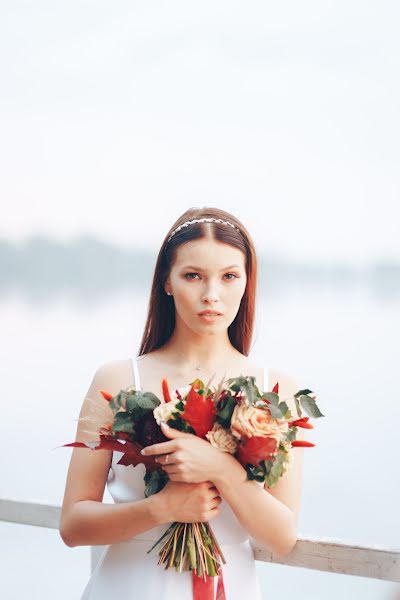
(210, 295)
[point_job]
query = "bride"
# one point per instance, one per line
(199, 324)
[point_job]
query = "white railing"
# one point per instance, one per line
(322, 554)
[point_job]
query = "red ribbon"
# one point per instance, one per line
(203, 588)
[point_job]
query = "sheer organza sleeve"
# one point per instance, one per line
(96, 416)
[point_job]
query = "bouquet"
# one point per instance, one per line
(257, 428)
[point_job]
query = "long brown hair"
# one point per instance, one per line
(160, 321)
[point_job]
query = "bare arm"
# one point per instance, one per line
(85, 520)
(269, 515)
(266, 519)
(92, 523)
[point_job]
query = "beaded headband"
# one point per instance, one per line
(204, 220)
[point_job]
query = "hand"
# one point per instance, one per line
(189, 502)
(188, 458)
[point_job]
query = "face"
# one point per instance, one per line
(207, 275)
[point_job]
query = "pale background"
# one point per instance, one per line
(115, 118)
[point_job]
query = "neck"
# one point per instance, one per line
(205, 351)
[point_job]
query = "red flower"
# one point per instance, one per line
(199, 411)
(106, 395)
(256, 449)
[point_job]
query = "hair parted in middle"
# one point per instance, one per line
(160, 322)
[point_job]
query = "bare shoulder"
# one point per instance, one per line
(114, 372)
(111, 377)
(287, 381)
(88, 469)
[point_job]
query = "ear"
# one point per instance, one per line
(167, 287)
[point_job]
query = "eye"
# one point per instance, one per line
(231, 278)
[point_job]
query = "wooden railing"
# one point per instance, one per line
(322, 554)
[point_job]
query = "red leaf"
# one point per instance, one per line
(133, 457)
(131, 451)
(106, 395)
(199, 412)
(256, 449)
(276, 388)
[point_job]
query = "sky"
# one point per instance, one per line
(117, 117)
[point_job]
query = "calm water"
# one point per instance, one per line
(342, 342)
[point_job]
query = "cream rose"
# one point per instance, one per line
(164, 411)
(248, 421)
(222, 439)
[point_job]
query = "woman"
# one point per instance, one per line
(207, 263)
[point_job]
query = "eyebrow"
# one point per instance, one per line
(200, 269)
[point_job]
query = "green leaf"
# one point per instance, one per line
(247, 387)
(131, 402)
(178, 423)
(301, 392)
(310, 406)
(225, 414)
(154, 482)
(298, 409)
(291, 434)
(141, 400)
(272, 397)
(276, 412)
(276, 469)
(118, 400)
(123, 422)
(283, 407)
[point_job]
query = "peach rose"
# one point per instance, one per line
(222, 439)
(248, 421)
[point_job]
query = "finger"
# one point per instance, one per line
(163, 448)
(170, 469)
(214, 496)
(176, 477)
(213, 488)
(164, 459)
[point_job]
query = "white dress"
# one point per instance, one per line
(127, 572)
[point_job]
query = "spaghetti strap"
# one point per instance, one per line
(136, 374)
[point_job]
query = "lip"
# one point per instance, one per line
(209, 318)
(210, 313)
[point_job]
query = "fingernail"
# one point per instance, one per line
(143, 451)
(165, 425)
